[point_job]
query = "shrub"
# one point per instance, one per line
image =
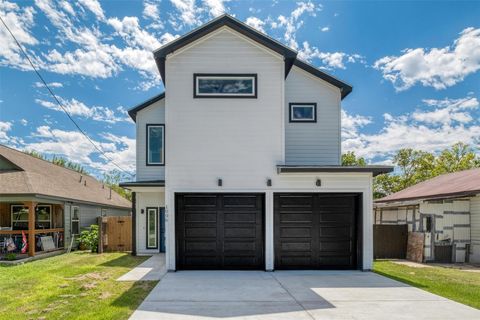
(89, 238)
(10, 256)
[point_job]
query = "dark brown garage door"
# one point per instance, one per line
(219, 231)
(316, 231)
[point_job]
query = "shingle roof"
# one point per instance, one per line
(40, 177)
(462, 183)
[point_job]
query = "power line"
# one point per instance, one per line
(60, 104)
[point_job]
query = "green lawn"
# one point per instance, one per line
(78, 285)
(461, 286)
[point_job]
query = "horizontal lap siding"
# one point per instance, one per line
(154, 114)
(312, 143)
(235, 139)
(475, 219)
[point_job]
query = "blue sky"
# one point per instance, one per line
(414, 66)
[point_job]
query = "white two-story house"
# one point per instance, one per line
(238, 161)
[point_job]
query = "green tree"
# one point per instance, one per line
(351, 159)
(459, 157)
(59, 161)
(113, 178)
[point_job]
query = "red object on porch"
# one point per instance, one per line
(24, 243)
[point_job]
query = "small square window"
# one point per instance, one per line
(303, 112)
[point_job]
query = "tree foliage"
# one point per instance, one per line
(113, 178)
(414, 166)
(59, 161)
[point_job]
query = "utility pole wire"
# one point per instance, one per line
(59, 103)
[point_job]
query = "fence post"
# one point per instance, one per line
(100, 234)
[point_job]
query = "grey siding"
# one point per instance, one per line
(153, 114)
(90, 213)
(312, 143)
(475, 219)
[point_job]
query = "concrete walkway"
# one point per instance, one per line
(293, 295)
(152, 269)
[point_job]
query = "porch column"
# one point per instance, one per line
(31, 228)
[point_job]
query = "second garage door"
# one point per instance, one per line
(219, 231)
(316, 231)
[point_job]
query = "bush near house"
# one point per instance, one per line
(78, 285)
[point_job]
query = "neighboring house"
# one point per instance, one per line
(445, 208)
(44, 199)
(238, 163)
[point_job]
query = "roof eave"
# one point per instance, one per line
(224, 20)
(375, 170)
(133, 111)
(459, 194)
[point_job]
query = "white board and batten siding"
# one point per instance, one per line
(312, 143)
(145, 200)
(153, 114)
(475, 229)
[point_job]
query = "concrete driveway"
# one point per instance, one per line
(293, 295)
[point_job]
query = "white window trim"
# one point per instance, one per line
(71, 220)
(162, 156)
(312, 105)
(198, 94)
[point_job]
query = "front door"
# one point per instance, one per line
(155, 228)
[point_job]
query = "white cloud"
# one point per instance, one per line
(51, 85)
(330, 60)
(437, 67)
(5, 137)
(452, 121)
(188, 12)
(447, 111)
(256, 23)
(75, 146)
(24, 122)
(215, 7)
(20, 21)
(78, 108)
(94, 6)
(293, 22)
(325, 29)
(150, 10)
(67, 7)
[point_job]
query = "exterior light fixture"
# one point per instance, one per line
(219, 182)
(318, 183)
(269, 182)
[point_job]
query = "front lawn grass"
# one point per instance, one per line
(454, 284)
(77, 285)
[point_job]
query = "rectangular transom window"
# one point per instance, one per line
(303, 112)
(225, 85)
(155, 144)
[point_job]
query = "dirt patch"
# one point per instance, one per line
(88, 286)
(105, 295)
(411, 264)
(90, 276)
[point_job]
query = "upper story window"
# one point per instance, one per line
(155, 144)
(303, 112)
(225, 85)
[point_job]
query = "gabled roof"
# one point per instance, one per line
(229, 21)
(289, 54)
(345, 88)
(40, 177)
(457, 184)
(133, 111)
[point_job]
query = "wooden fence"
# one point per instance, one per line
(115, 233)
(390, 241)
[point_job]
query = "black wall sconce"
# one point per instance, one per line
(219, 182)
(269, 182)
(142, 211)
(318, 183)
